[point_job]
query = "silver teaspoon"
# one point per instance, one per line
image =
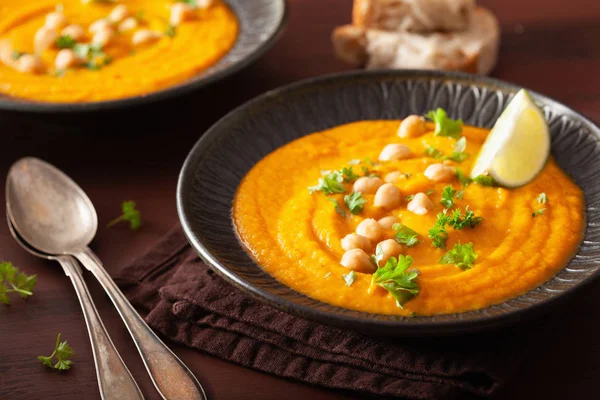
(53, 214)
(114, 379)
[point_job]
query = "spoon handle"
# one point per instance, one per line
(114, 379)
(172, 379)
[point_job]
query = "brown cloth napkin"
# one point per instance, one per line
(189, 304)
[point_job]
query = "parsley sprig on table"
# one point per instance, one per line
(461, 255)
(130, 214)
(62, 352)
(405, 235)
(396, 278)
(444, 126)
(14, 281)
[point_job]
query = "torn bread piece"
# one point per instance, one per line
(413, 15)
(472, 50)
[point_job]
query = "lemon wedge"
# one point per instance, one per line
(518, 145)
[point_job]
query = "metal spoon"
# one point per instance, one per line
(54, 215)
(114, 379)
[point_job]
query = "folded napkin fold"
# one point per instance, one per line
(189, 304)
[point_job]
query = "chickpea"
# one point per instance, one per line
(388, 196)
(439, 172)
(358, 260)
(102, 38)
(204, 3)
(29, 63)
(356, 241)
(395, 151)
(55, 20)
(128, 24)
(100, 25)
(388, 222)
(390, 248)
(76, 32)
(367, 184)
(44, 39)
(66, 58)
(393, 176)
(412, 126)
(6, 52)
(119, 13)
(420, 204)
(181, 12)
(144, 36)
(370, 229)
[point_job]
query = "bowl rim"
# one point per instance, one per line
(185, 87)
(419, 325)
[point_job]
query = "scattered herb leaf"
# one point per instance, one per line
(62, 352)
(437, 233)
(171, 31)
(542, 198)
(462, 178)
(337, 207)
(430, 192)
(396, 278)
(461, 194)
(458, 154)
(444, 126)
(378, 256)
(329, 183)
(405, 235)
(65, 42)
(409, 197)
(485, 180)
(349, 175)
(355, 202)
(130, 214)
(16, 54)
(349, 278)
(461, 255)
(538, 212)
(448, 197)
(433, 152)
(458, 222)
(14, 281)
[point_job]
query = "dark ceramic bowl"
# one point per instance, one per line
(221, 158)
(261, 22)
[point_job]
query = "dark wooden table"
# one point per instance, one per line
(551, 46)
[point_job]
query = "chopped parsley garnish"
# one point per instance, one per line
(171, 31)
(129, 214)
(96, 58)
(444, 126)
(396, 278)
(462, 178)
(538, 212)
(349, 175)
(14, 281)
(337, 207)
(461, 255)
(433, 152)
(329, 183)
(62, 352)
(461, 194)
(404, 235)
(409, 197)
(349, 278)
(448, 197)
(65, 42)
(485, 180)
(355, 202)
(437, 233)
(542, 198)
(458, 222)
(458, 154)
(430, 192)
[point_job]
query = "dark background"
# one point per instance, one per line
(550, 46)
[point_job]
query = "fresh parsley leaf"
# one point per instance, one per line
(542, 198)
(458, 154)
(14, 281)
(485, 180)
(355, 202)
(329, 183)
(130, 214)
(171, 31)
(538, 212)
(462, 178)
(95, 56)
(349, 278)
(444, 126)
(433, 152)
(349, 175)
(62, 352)
(460, 195)
(190, 2)
(396, 278)
(409, 197)
(458, 222)
(65, 42)
(430, 192)
(378, 256)
(448, 197)
(461, 255)
(437, 233)
(337, 207)
(404, 235)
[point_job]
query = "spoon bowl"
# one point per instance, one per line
(48, 209)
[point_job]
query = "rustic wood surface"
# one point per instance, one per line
(551, 46)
